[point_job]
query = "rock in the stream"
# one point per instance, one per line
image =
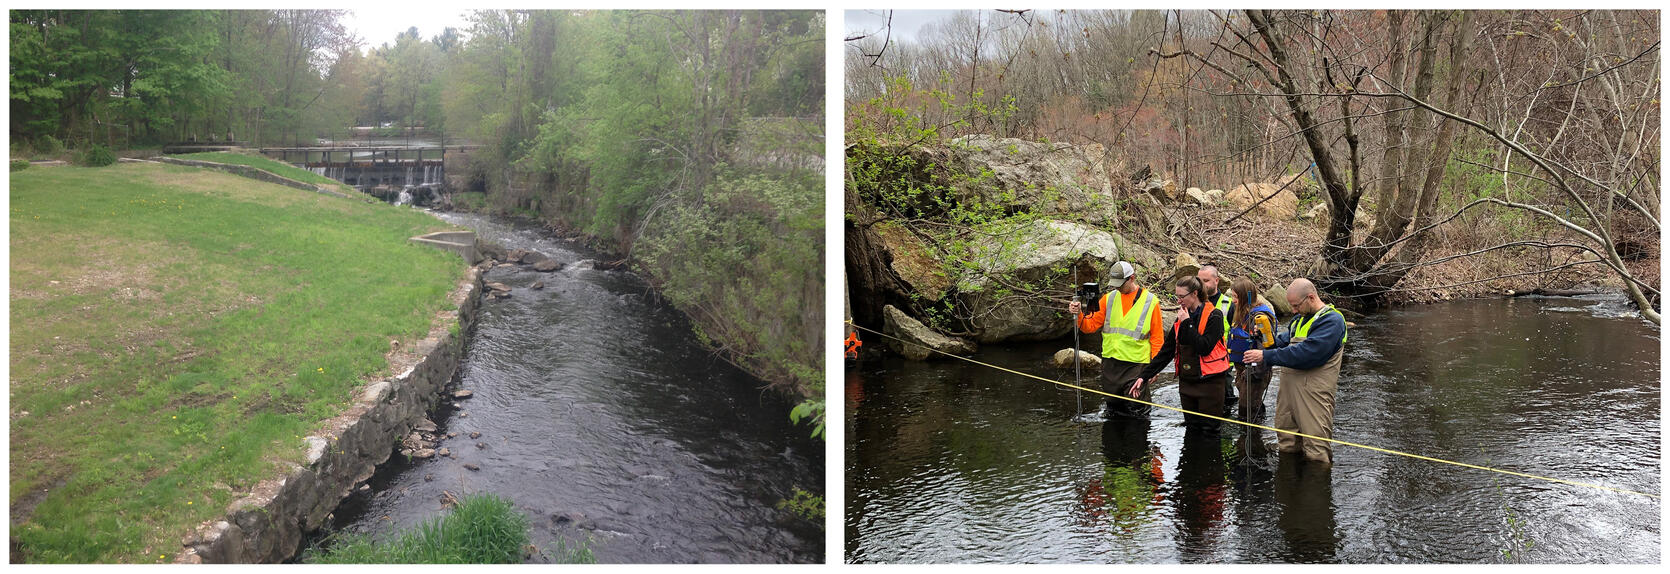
(471, 466)
(1087, 360)
(424, 425)
(919, 338)
(463, 415)
(481, 445)
(537, 285)
(475, 435)
(423, 453)
(461, 394)
(444, 451)
(547, 266)
(515, 256)
(496, 286)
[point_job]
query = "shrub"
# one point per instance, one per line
(20, 164)
(98, 156)
(48, 145)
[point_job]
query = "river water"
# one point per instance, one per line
(952, 462)
(601, 417)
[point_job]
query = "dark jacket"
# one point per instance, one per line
(1324, 340)
(1195, 345)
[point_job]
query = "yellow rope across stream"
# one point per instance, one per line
(1259, 426)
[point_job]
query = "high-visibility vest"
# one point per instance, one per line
(1125, 333)
(1301, 326)
(1224, 302)
(1213, 363)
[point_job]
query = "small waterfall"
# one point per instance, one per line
(408, 175)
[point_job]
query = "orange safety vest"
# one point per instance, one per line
(1213, 363)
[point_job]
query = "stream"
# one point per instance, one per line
(947, 461)
(605, 421)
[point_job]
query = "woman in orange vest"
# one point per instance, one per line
(1196, 344)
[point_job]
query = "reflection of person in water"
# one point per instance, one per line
(1202, 492)
(1306, 496)
(1128, 490)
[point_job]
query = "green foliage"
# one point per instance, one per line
(98, 156)
(812, 410)
(804, 504)
(48, 146)
(480, 529)
(20, 164)
(180, 387)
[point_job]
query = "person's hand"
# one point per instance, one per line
(1073, 307)
(1252, 356)
(1136, 388)
(1182, 313)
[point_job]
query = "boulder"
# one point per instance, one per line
(534, 257)
(902, 326)
(1034, 253)
(1087, 360)
(1315, 211)
(1284, 205)
(1277, 297)
(547, 266)
(515, 256)
(1198, 196)
(914, 263)
(1185, 265)
(500, 287)
(461, 394)
(1216, 195)
(1164, 190)
(1045, 178)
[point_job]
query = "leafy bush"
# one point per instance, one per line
(48, 145)
(20, 164)
(805, 505)
(98, 156)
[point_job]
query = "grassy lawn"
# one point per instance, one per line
(176, 331)
(263, 162)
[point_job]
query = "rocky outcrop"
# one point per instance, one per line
(268, 525)
(1034, 177)
(1031, 254)
(913, 262)
(919, 339)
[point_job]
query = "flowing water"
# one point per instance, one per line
(602, 418)
(952, 462)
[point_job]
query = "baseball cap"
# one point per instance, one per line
(1121, 271)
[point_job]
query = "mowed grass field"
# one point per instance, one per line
(263, 162)
(176, 331)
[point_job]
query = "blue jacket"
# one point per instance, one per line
(1324, 340)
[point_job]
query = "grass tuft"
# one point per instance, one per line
(481, 529)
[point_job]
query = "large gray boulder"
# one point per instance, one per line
(1027, 176)
(1087, 361)
(902, 326)
(1036, 255)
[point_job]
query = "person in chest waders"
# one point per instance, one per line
(1310, 355)
(1196, 343)
(1216, 293)
(1129, 319)
(1252, 326)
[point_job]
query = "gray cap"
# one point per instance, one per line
(1122, 270)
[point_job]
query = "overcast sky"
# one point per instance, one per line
(907, 24)
(379, 23)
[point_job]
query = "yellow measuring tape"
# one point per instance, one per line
(1259, 426)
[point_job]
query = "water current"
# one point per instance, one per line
(951, 462)
(601, 418)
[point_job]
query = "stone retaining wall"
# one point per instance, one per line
(252, 173)
(268, 526)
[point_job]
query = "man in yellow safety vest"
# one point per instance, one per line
(1310, 356)
(1131, 335)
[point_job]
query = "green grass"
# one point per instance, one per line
(481, 529)
(263, 162)
(176, 331)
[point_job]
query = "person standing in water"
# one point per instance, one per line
(1310, 355)
(1131, 327)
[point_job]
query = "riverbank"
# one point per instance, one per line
(176, 332)
(744, 267)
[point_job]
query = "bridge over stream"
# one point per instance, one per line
(367, 167)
